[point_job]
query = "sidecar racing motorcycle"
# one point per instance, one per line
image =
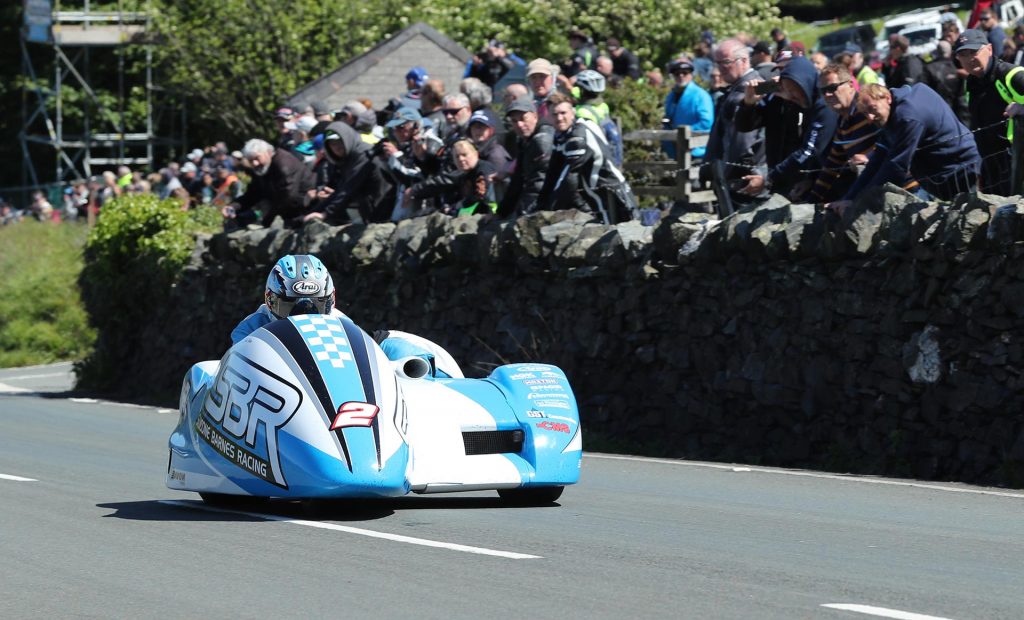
(310, 407)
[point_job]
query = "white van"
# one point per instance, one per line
(923, 28)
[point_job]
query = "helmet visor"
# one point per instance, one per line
(295, 306)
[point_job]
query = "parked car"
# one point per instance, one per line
(1010, 12)
(923, 28)
(834, 42)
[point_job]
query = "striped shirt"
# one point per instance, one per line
(855, 135)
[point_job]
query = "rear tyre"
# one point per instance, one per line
(531, 496)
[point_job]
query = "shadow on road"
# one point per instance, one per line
(154, 510)
(315, 510)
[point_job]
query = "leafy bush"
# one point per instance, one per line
(41, 315)
(133, 256)
(251, 60)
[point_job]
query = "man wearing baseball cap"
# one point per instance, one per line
(686, 104)
(995, 90)
(862, 72)
(482, 129)
(534, 143)
(414, 80)
(541, 75)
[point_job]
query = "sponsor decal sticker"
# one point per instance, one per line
(534, 413)
(540, 382)
(534, 395)
(558, 427)
(529, 368)
(552, 404)
(242, 413)
(355, 414)
(543, 388)
(522, 375)
(555, 375)
(306, 287)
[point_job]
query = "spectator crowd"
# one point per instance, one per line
(779, 120)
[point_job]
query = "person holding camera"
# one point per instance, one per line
(492, 63)
(467, 189)
(355, 185)
(798, 85)
(686, 104)
(411, 152)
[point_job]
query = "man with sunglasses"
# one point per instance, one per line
(686, 104)
(989, 23)
(854, 140)
(456, 110)
(995, 90)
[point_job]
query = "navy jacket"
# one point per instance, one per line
(923, 137)
(816, 131)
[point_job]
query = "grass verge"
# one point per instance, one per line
(42, 319)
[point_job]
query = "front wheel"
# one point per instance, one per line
(531, 496)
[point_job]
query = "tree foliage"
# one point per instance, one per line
(237, 60)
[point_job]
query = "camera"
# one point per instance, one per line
(766, 87)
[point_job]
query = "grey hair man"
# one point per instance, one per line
(740, 153)
(479, 94)
(456, 111)
(278, 188)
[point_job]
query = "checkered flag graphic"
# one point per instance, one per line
(326, 339)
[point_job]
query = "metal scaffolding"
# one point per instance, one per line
(79, 148)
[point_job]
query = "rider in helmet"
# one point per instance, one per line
(589, 85)
(297, 284)
(300, 284)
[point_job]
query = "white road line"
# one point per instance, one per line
(43, 376)
(881, 612)
(10, 389)
(361, 532)
(806, 474)
(16, 478)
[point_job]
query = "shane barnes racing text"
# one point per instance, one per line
(246, 460)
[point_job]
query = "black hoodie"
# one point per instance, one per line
(355, 178)
(816, 131)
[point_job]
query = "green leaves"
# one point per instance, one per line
(133, 256)
(237, 60)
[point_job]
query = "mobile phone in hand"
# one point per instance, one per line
(767, 87)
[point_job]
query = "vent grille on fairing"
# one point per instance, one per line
(492, 442)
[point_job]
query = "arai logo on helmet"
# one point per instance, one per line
(306, 287)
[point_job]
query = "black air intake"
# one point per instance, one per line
(492, 442)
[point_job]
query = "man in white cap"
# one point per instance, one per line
(541, 75)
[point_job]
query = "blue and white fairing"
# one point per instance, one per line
(310, 407)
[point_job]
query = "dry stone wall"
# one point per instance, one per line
(888, 341)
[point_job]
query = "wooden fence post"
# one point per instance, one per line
(683, 134)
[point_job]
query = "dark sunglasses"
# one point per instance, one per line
(832, 88)
(451, 111)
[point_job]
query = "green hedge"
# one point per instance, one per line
(132, 258)
(41, 315)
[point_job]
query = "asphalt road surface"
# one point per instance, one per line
(88, 530)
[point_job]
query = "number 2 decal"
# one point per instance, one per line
(355, 414)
